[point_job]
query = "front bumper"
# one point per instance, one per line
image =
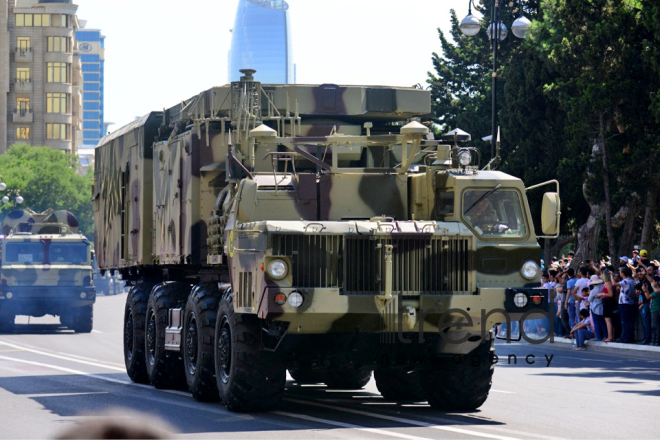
(460, 317)
(40, 300)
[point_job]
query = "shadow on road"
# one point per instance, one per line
(75, 395)
(36, 329)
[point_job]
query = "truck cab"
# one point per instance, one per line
(46, 270)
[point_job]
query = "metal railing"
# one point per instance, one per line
(22, 111)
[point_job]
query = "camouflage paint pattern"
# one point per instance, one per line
(49, 285)
(344, 205)
(122, 195)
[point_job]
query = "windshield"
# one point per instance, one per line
(32, 252)
(494, 213)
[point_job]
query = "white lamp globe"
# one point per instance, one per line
(470, 25)
(520, 27)
(503, 31)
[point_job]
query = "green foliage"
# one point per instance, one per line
(46, 178)
(584, 60)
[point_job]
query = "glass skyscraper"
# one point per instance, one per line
(261, 40)
(91, 46)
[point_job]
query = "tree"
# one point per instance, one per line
(595, 47)
(46, 178)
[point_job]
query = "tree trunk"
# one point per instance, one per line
(628, 234)
(551, 248)
(606, 186)
(587, 234)
(649, 218)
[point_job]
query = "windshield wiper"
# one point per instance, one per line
(488, 194)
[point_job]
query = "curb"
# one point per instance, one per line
(612, 347)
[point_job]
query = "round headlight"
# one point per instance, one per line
(10, 295)
(296, 299)
(520, 300)
(83, 295)
(530, 270)
(464, 158)
(277, 269)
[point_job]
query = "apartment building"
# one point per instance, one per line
(40, 74)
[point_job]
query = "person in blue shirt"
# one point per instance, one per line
(569, 301)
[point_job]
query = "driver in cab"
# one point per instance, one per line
(480, 214)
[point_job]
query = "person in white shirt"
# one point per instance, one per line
(582, 331)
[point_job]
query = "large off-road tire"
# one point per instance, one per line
(82, 319)
(135, 313)
(249, 377)
(164, 368)
(399, 385)
(460, 383)
(198, 341)
(348, 379)
(7, 324)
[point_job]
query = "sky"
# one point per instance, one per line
(159, 53)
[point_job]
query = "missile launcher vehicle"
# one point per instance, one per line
(46, 269)
(318, 229)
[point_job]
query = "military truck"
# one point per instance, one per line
(318, 229)
(46, 269)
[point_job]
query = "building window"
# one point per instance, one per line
(60, 20)
(58, 44)
(56, 131)
(23, 133)
(23, 44)
(23, 106)
(23, 75)
(58, 73)
(56, 102)
(32, 20)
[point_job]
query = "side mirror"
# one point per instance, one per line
(248, 199)
(550, 213)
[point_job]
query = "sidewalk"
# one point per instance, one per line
(612, 347)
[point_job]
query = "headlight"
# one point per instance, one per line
(520, 300)
(278, 269)
(464, 158)
(530, 270)
(296, 299)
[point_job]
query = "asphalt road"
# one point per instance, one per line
(51, 378)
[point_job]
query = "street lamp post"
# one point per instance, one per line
(497, 31)
(5, 199)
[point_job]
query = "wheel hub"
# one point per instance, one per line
(128, 336)
(224, 351)
(191, 345)
(151, 338)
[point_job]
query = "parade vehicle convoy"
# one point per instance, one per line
(318, 229)
(46, 269)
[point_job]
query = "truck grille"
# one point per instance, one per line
(316, 258)
(422, 264)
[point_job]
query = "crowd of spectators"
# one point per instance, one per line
(604, 300)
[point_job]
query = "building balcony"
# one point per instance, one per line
(23, 56)
(23, 86)
(58, 88)
(58, 144)
(22, 116)
(58, 118)
(58, 57)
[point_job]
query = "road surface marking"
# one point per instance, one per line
(503, 392)
(96, 331)
(349, 426)
(402, 420)
(65, 358)
(8, 351)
